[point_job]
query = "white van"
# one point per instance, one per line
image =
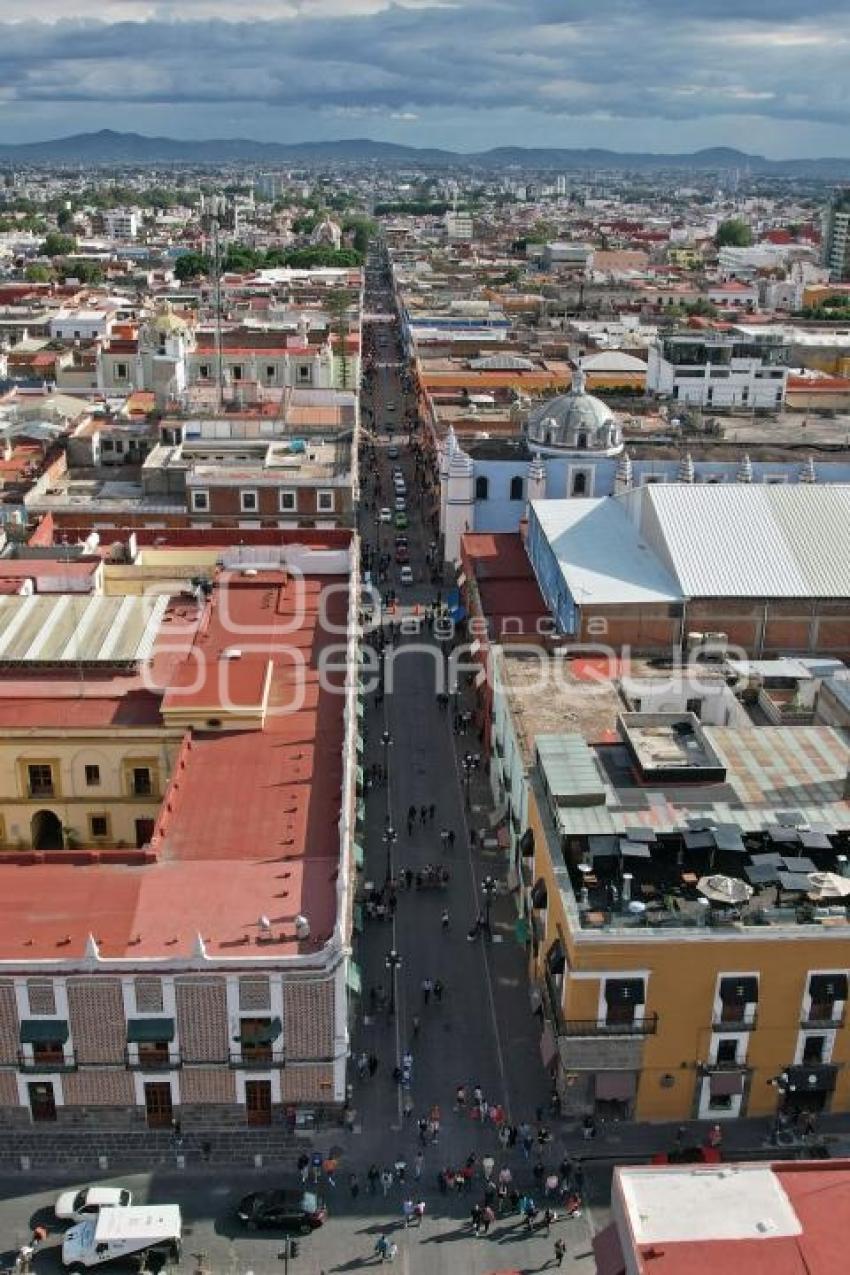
(122, 1232)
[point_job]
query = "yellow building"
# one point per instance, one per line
(658, 1002)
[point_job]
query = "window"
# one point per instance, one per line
(40, 779)
(92, 776)
(288, 502)
(304, 374)
(325, 502)
(270, 371)
(249, 502)
(579, 484)
(482, 488)
(517, 486)
(204, 371)
(141, 781)
(121, 371)
(581, 442)
(236, 371)
(622, 998)
(727, 1051)
(736, 993)
(107, 445)
(813, 1049)
(200, 501)
(693, 706)
(825, 990)
(98, 826)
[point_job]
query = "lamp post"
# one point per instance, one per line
(390, 838)
(393, 963)
(488, 887)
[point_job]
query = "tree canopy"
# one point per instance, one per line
(733, 233)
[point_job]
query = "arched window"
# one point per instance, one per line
(482, 488)
(516, 487)
(580, 483)
(581, 441)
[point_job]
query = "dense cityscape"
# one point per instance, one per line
(425, 691)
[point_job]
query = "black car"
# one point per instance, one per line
(284, 1210)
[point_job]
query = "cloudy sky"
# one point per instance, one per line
(765, 75)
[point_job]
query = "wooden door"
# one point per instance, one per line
(258, 1101)
(158, 1105)
(42, 1101)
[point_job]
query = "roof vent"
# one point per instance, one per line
(232, 653)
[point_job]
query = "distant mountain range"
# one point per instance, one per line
(110, 148)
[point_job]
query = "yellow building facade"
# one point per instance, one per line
(676, 1024)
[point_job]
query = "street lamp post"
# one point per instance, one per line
(488, 887)
(393, 963)
(390, 838)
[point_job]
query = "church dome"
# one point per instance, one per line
(575, 421)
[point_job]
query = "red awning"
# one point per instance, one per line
(608, 1252)
(616, 1085)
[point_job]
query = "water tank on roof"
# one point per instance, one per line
(298, 445)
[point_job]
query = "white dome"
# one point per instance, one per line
(575, 421)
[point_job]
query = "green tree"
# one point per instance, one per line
(338, 303)
(733, 233)
(56, 245)
(38, 273)
(362, 229)
(85, 271)
(191, 266)
(64, 218)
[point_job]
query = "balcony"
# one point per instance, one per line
(153, 1060)
(646, 1026)
(815, 1019)
(735, 1024)
(47, 1060)
(258, 1059)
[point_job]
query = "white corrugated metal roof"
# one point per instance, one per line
(601, 557)
(764, 540)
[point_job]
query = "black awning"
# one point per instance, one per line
(727, 837)
(44, 1031)
(828, 987)
(634, 849)
(624, 991)
(803, 1079)
(739, 991)
(526, 842)
(556, 961)
(149, 1030)
(259, 1033)
(539, 894)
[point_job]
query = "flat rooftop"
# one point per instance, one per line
(766, 1219)
(249, 824)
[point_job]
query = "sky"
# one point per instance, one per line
(767, 76)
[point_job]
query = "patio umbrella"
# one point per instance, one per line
(727, 890)
(828, 885)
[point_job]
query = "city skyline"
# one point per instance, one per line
(468, 76)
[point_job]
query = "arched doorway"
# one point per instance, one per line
(46, 831)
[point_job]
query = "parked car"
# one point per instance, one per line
(401, 521)
(386, 515)
(282, 1210)
(402, 554)
(400, 504)
(406, 576)
(392, 452)
(76, 1206)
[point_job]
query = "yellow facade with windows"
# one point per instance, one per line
(86, 788)
(677, 1034)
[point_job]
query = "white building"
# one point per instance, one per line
(719, 370)
(80, 325)
(121, 223)
(459, 227)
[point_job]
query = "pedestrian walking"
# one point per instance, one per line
(414, 1025)
(444, 919)
(373, 1177)
(417, 1165)
(588, 1128)
(549, 1216)
(353, 1185)
(439, 988)
(560, 1251)
(386, 1180)
(329, 1166)
(451, 839)
(407, 1212)
(423, 813)
(432, 810)
(400, 1169)
(460, 1097)
(419, 1211)
(373, 1064)
(423, 1131)
(303, 1166)
(427, 988)
(488, 1164)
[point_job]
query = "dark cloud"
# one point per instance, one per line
(632, 60)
